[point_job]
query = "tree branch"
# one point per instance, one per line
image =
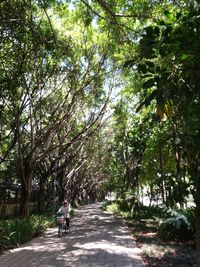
(113, 14)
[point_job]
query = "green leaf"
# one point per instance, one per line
(142, 68)
(149, 83)
(129, 63)
(148, 100)
(184, 56)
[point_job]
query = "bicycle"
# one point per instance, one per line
(61, 222)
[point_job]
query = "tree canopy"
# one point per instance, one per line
(100, 96)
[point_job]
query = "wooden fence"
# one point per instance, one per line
(8, 209)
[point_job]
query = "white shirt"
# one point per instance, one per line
(65, 210)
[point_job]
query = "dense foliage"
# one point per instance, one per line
(100, 97)
(17, 231)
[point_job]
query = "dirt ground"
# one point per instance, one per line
(158, 253)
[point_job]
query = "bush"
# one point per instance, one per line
(177, 227)
(145, 212)
(190, 215)
(114, 208)
(14, 232)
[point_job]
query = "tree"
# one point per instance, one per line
(169, 62)
(57, 98)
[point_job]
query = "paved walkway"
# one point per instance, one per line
(96, 238)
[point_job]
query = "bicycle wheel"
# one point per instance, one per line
(60, 230)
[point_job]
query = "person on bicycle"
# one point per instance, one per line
(65, 210)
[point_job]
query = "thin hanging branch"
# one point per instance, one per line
(105, 6)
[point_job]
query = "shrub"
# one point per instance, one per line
(17, 231)
(114, 208)
(144, 212)
(177, 227)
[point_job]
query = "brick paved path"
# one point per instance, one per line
(96, 238)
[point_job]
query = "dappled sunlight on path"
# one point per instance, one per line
(96, 238)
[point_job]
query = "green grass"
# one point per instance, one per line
(117, 208)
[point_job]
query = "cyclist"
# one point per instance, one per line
(65, 210)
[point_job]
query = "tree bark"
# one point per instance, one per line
(26, 187)
(197, 226)
(41, 205)
(196, 178)
(161, 173)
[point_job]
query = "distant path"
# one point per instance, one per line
(96, 239)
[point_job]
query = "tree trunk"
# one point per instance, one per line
(26, 192)
(197, 217)
(151, 195)
(61, 189)
(161, 173)
(41, 205)
(197, 226)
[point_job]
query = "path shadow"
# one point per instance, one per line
(96, 238)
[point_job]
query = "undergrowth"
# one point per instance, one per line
(14, 232)
(164, 235)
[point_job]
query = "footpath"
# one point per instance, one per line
(96, 239)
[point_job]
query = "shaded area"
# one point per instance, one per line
(96, 238)
(158, 253)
